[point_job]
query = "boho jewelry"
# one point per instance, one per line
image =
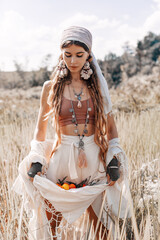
(74, 120)
(78, 96)
(62, 69)
(86, 71)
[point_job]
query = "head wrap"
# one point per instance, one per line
(81, 34)
(78, 34)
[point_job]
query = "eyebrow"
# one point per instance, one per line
(77, 52)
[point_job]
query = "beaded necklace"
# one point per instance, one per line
(74, 120)
(78, 96)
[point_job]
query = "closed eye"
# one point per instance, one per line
(68, 55)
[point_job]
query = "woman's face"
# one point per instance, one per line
(74, 57)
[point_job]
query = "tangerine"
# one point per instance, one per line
(65, 186)
(72, 185)
(58, 184)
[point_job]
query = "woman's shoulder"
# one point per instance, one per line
(47, 85)
(45, 90)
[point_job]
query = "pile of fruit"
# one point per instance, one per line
(69, 185)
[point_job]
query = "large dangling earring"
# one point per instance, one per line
(62, 69)
(86, 71)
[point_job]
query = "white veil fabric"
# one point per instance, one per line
(107, 104)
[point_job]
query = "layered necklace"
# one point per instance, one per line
(78, 96)
(74, 121)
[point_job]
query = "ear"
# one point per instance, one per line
(89, 59)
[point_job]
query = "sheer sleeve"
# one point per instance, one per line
(114, 149)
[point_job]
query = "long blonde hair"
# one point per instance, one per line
(55, 99)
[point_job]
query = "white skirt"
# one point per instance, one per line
(64, 161)
(71, 203)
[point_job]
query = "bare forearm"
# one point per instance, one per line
(41, 128)
(112, 129)
(39, 134)
(112, 133)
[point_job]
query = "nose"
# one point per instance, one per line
(73, 60)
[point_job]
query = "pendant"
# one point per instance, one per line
(79, 105)
(81, 144)
(79, 98)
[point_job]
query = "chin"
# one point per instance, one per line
(76, 70)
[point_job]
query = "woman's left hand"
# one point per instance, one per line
(111, 183)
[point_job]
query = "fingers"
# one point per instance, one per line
(111, 183)
(31, 179)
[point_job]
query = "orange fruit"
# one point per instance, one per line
(58, 184)
(84, 185)
(72, 185)
(65, 186)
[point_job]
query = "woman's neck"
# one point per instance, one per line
(75, 77)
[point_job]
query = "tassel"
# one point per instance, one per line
(82, 159)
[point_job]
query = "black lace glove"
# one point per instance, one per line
(35, 168)
(113, 169)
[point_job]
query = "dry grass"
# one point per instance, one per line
(140, 138)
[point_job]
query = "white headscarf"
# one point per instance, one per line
(81, 34)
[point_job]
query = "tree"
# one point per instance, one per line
(128, 48)
(110, 56)
(156, 54)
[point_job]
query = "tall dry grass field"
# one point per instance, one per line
(139, 135)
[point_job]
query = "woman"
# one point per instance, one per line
(86, 145)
